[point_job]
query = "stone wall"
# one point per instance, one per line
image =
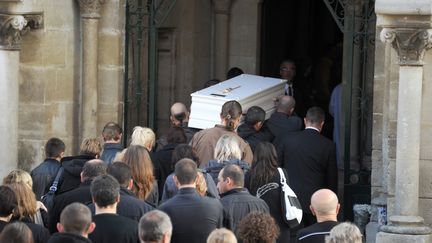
(50, 75)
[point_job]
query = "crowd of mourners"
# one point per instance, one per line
(214, 185)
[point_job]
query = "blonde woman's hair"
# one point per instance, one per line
(91, 147)
(221, 235)
(201, 184)
(18, 176)
(26, 200)
(138, 158)
(227, 148)
(143, 136)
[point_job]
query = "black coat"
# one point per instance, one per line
(71, 177)
(40, 234)
(280, 123)
(315, 233)
(270, 192)
(114, 228)
(109, 152)
(129, 206)
(162, 162)
(237, 203)
(193, 217)
(253, 137)
(310, 160)
(81, 194)
(68, 238)
(43, 175)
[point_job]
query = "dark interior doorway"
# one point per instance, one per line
(305, 32)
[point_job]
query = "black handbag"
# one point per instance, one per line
(291, 208)
(48, 198)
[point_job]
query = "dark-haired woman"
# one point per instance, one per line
(263, 180)
(204, 141)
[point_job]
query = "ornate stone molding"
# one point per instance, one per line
(222, 6)
(410, 43)
(90, 9)
(13, 26)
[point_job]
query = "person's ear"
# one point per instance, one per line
(82, 176)
(312, 210)
(118, 199)
(304, 120)
(176, 181)
(130, 184)
(62, 154)
(60, 228)
(337, 208)
(258, 125)
(91, 228)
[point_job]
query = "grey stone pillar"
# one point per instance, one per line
(221, 25)
(406, 225)
(89, 106)
(12, 26)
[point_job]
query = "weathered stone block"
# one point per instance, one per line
(32, 84)
(31, 49)
(62, 87)
(425, 186)
(30, 153)
(54, 47)
(383, 237)
(66, 19)
(31, 121)
(110, 49)
(61, 118)
(112, 15)
(377, 131)
(426, 142)
(109, 85)
(377, 168)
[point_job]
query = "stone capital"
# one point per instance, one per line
(90, 9)
(409, 43)
(11, 28)
(222, 6)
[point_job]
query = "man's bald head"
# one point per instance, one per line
(179, 113)
(286, 104)
(324, 202)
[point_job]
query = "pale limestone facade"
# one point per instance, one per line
(198, 41)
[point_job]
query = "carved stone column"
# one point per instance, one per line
(12, 27)
(90, 16)
(221, 24)
(406, 225)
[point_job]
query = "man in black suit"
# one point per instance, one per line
(193, 217)
(91, 169)
(310, 160)
(284, 119)
(110, 227)
(129, 206)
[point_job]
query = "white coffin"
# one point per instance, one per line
(248, 90)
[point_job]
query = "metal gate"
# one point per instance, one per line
(356, 19)
(143, 19)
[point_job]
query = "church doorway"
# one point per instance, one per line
(331, 42)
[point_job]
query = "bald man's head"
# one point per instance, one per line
(324, 203)
(179, 114)
(286, 104)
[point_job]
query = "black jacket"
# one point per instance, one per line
(315, 233)
(43, 175)
(163, 165)
(71, 177)
(114, 228)
(81, 194)
(109, 152)
(253, 137)
(237, 203)
(129, 206)
(68, 238)
(40, 234)
(214, 167)
(310, 160)
(280, 123)
(193, 217)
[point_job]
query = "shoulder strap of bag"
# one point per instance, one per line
(282, 176)
(53, 187)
